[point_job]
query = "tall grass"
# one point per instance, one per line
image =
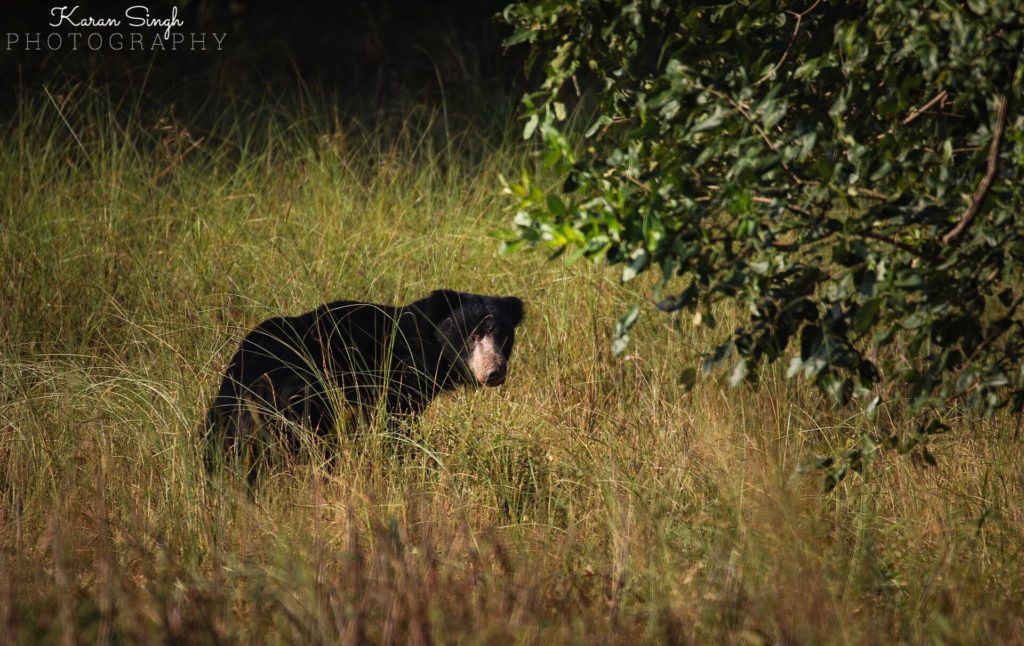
(586, 499)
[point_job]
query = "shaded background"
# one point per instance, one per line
(360, 55)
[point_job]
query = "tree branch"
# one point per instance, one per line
(941, 96)
(796, 30)
(986, 181)
(913, 251)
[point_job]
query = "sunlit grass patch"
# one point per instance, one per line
(586, 498)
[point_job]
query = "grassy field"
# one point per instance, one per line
(587, 499)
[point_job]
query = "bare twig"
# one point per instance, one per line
(745, 114)
(986, 181)
(898, 244)
(774, 202)
(867, 234)
(758, 129)
(867, 192)
(917, 253)
(941, 96)
(939, 99)
(637, 182)
(796, 30)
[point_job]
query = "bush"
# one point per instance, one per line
(851, 173)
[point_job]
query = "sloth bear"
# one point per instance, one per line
(394, 359)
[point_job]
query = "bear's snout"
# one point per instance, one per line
(496, 377)
(486, 362)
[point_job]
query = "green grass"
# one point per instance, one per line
(586, 499)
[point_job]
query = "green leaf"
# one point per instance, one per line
(555, 205)
(621, 339)
(640, 262)
(709, 122)
(531, 126)
(866, 315)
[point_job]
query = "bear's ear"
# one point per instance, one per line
(513, 307)
(451, 340)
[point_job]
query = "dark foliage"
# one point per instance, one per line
(850, 172)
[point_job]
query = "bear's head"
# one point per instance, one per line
(477, 333)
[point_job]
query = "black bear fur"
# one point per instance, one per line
(392, 359)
